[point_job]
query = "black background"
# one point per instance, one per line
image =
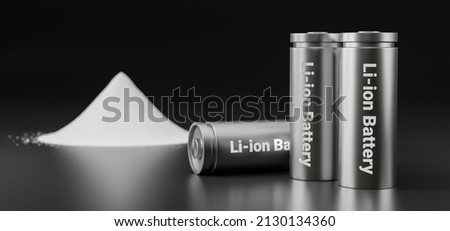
(55, 57)
(71, 49)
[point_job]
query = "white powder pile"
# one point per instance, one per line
(88, 129)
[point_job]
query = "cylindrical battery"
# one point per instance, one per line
(368, 131)
(312, 78)
(238, 146)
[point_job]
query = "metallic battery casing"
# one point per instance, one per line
(238, 146)
(368, 136)
(312, 78)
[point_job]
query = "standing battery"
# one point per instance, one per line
(368, 134)
(230, 147)
(312, 78)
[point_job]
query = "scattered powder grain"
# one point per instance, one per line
(26, 139)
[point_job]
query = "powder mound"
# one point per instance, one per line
(88, 129)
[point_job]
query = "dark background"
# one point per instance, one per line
(62, 50)
(55, 57)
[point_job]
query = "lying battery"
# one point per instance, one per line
(238, 146)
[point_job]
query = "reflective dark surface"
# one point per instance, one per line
(159, 178)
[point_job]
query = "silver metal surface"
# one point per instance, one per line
(312, 130)
(238, 146)
(369, 37)
(314, 37)
(368, 137)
